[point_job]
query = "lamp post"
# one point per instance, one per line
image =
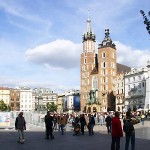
(146, 21)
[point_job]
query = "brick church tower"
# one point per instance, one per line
(97, 72)
(107, 72)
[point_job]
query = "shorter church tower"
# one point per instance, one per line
(107, 72)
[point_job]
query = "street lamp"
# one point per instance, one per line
(146, 21)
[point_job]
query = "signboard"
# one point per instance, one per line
(4, 119)
(76, 102)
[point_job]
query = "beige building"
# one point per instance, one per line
(5, 95)
(119, 92)
(60, 103)
(98, 72)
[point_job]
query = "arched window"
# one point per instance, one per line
(94, 83)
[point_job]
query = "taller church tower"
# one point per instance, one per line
(88, 64)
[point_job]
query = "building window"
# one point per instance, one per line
(113, 55)
(104, 88)
(103, 55)
(128, 87)
(84, 61)
(104, 101)
(143, 84)
(128, 79)
(104, 64)
(122, 91)
(104, 80)
(95, 83)
(117, 84)
(139, 77)
(139, 86)
(118, 91)
(133, 78)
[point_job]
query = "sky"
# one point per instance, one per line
(41, 40)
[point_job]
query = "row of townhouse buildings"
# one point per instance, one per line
(27, 99)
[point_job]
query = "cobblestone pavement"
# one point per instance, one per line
(35, 139)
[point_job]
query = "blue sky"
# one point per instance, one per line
(41, 40)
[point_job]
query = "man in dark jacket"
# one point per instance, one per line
(129, 131)
(49, 125)
(20, 125)
(83, 123)
(91, 124)
(108, 123)
(116, 132)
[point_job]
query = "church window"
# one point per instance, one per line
(104, 64)
(103, 55)
(113, 55)
(104, 80)
(95, 83)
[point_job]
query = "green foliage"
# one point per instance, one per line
(3, 106)
(51, 107)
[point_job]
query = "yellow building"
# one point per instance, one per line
(5, 95)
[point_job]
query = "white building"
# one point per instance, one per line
(43, 96)
(26, 99)
(135, 88)
(147, 100)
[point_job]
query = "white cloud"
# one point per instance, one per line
(64, 54)
(131, 57)
(57, 54)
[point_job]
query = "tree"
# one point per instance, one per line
(146, 21)
(3, 106)
(51, 107)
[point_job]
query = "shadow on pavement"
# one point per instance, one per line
(35, 140)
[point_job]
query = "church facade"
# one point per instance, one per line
(98, 72)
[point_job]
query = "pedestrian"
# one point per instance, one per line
(91, 125)
(83, 123)
(62, 123)
(49, 125)
(117, 132)
(101, 119)
(108, 123)
(142, 118)
(129, 131)
(20, 125)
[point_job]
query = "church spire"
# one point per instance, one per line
(88, 23)
(89, 35)
(107, 40)
(89, 38)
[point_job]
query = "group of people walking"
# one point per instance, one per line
(83, 121)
